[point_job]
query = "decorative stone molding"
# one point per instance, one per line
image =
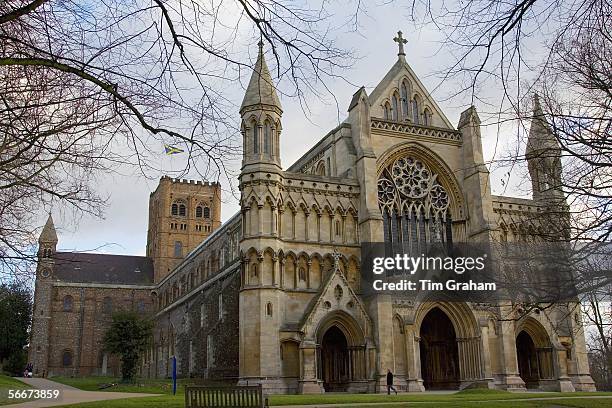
(448, 135)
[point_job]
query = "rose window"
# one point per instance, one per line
(414, 204)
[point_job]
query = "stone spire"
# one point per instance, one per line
(543, 156)
(48, 234)
(540, 137)
(261, 89)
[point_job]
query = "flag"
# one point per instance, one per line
(172, 150)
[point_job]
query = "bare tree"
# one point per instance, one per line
(559, 48)
(89, 86)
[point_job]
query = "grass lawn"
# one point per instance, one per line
(463, 399)
(9, 383)
(148, 386)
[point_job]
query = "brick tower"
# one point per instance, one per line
(182, 213)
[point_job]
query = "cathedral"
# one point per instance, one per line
(272, 296)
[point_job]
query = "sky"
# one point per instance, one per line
(123, 229)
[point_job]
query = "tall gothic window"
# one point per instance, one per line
(387, 111)
(199, 211)
(414, 205)
(404, 95)
(427, 117)
(267, 138)
(255, 137)
(395, 111)
(415, 109)
(206, 212)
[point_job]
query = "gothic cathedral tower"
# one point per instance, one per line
(260, 182)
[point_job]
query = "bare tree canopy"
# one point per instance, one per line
(89, 86)
(560, 49)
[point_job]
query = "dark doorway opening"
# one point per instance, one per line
(527, 357)
(439, 353)
(334, 360)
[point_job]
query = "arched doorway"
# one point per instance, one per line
(439, 353)
(335, 360)
(527, 360)
(534, 360)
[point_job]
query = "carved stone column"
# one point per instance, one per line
(308, 382)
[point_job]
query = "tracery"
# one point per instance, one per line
(414, 204)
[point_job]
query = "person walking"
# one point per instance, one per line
(390, 382)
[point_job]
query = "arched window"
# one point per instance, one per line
(404, 95)
(67, 358)
(254, 270)
(414, 205)
(395, 112)
(182, 210)
(427, 117)
(415, 109)
(206, 212)
(68, 303)
(302, 274)
(337, 228)
(269, 309)
(321, 169)
(267, 138)
(199, 211)
(175, 209)
(387, 111)
(255, 137)
(178, 249)
(107, 305)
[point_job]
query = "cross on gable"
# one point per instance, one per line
(400, 42)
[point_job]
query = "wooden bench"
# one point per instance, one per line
(197, 396)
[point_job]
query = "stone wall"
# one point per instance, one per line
(79, 330)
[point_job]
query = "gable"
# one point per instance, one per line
(337, 296)
(401, 73)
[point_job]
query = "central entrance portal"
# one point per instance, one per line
(335, 361)
(439, 354)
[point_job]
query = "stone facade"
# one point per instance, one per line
(273, 295)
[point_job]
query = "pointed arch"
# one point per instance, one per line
(267, 136)
(416, 108)
(395, 106)
(427, 116)
(405, 97)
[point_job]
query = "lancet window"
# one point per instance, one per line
(414, 205)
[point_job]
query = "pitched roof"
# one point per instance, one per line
(103, 268)
(261, 89)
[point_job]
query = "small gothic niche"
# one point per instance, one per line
(338, 292)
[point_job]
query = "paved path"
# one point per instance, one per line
(68, 394)
(442, 403)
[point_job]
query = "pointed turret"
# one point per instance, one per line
(261, 89)
(48, 239)
(540, 139)
(543, 156)
(261, 113)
